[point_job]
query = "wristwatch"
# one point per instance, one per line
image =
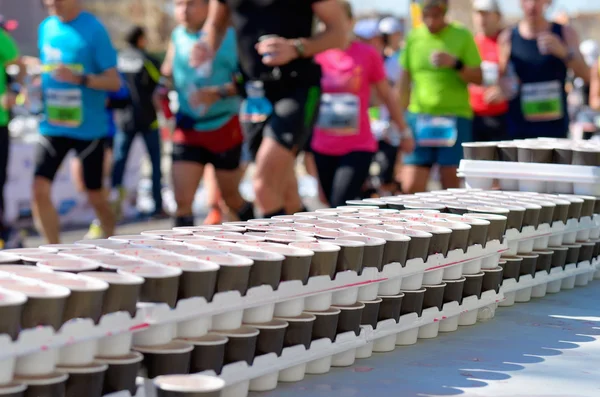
(459, 65)
(84, 80)
(299, 47)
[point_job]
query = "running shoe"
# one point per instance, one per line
(95, 231)
(214, 217)
(117, 196)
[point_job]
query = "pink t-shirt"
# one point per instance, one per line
(344, 124)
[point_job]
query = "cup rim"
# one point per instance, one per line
(412, 233)
(511, 258)
(52, 291)
(13, 388)
(227, 260)
(100, 242)
(133, 237)
(21, 269)
(441, 285)
(355, 306)
(487, 216)
(420, 290)
(451, 225)
(373, 301)
(561, 248)
(136, 357)
(494, 270)
(87, 369)
(480, 274)
(459, 280)
(317, 246)
(191, 265)
(573, 199)
(257, 254)
(396, 296)
(287, 250)
(44, 380)
(577, 245)
(173, 347)
(88, 265)
(393, 237)
(369, 241)
(115, 278)
(12, 298)
(142, 271)
(64, 247)
(276, 323)
(92, 284)
(242, 332)
(304, 317)
(205, 340)
(206, 383)
(347, 243)
(434, 229)
(332, 311)
(164, 232)
(473, 221)
(28, 251)
(280, 238)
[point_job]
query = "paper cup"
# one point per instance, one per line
(266, 269)
(241, 345)
(188, 386)
(296, 265)
(85, 380)
(121, 373)
(11, 310)
(170, 359)
(453, 292)
(45, 304)
(473, 285)
(13, 390)
(350, 257)
(208, 353)
(511, 266)
(350, 318)
(412, 302)
(234, 271)
(325, 257)
(52, 385)
(271, 337)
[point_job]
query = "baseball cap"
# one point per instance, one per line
(486, 5)
(390, 25)
(435, 3)
(367, 28)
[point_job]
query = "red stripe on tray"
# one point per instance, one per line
(461, 261)
(360, 284)
(139, 327)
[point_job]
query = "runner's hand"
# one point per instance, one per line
(407, 144)
(8, 100)
(553, 45)
(206, 96)
(200, 54)
(280, 51)
(66, 75)
(442, 59)
(493, 95)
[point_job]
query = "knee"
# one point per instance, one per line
(261, 186)
(96, 197)
(41, 189)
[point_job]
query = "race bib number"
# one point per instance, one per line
(491, 73)
(339, 114)
(64, 108)
(435, 131)
(542, 101)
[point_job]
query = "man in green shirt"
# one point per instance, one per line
(9, 54)
(439, 60)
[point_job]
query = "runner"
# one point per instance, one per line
(488, 101)
(367, 30)
(141, 73)
(535, 55)
(9, 54)
(276, 50)
(343, 143)
(208, 129)
(79, 66)
(587, 118)
(440, 59)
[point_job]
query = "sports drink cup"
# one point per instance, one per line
(266, 37)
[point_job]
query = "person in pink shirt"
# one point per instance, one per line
(342, 143)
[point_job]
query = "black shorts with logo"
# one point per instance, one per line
(295, 112)
(52, 150)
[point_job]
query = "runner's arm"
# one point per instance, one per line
(595, 87)
(403, 89)
(216, 24)
(471, 60)
(574, 59)
(334, 34)
(166, 69)
(390, 100)
(106, 60)
(507, 83)
(9, 55)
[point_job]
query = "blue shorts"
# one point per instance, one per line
(444, 156)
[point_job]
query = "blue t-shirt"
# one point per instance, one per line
(83, 45)
(224, 65)
(122, 94)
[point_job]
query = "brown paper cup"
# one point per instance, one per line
(533, 154)
(299, 330)
(586, 156)
(350, 257)
(69, 265)
(373, 253)
(575, 207)
(544, 262)
(507, 151)
(11, 310)
(266, 269)
(296, 265)
(234, 271)
(189, 386)
(563, 155)
(121, 373)
(170, 359)
(559, 256)
(497, 218)
(413, 302)
(486, 151)
(434, 296)
(271, 337)
(326, 324)
(198, 279)
(85, 380)
(440, 240)
(586, 253)
(529, 264)
(51, 385)
(454, 290)
(511, 266)
(391, 307)
(123, 291)
(396, 246)
(325, 257)
(45, 304)
(13, 390)
(473, 285)
(241, 345)
(572, 253)
(370, 314)
(492, 279)
(208, 353)
(350, 317)
(161, 283)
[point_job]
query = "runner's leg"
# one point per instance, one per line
(91, 155)
(449, 158)
(4, 152)
(349, 177)
(292, 199)
(326, 168)
(213, 196)
(152, 141)
(121, 146)
(417, 165)
(50, 153)
(186, 174)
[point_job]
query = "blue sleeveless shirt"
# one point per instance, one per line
(540, 108)
(225, 65)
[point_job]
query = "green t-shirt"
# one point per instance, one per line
(8, 53)
(439, 91)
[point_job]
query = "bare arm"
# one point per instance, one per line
(216, 25)
(595, 87)
(166, 69)
(390, 100)
(403, 89)
(334, 34)
(576, 63)
(107, 81)
(471, 75)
